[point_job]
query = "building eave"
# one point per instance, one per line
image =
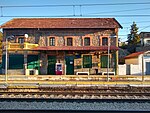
(75, 48)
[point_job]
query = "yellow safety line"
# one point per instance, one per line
(78, 82)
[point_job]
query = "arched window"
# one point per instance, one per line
(104, 41)
(86, 41)
(69, 42)
(21, 40)
(52, 41)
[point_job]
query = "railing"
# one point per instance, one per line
(29, 45)
(23, 46)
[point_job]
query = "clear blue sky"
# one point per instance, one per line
(86, 11)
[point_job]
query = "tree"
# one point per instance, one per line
(133, 37)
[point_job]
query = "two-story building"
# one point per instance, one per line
(50, 46)
(145, 38)
(145, 42)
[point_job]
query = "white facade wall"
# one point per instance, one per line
(122, 69)
(146, 59)
(135, 70)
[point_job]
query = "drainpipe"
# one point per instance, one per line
(142, 67)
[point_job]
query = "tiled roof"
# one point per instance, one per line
(62, 23)
(134, 55)
(72, 48)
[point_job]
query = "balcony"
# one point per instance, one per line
(23, 46)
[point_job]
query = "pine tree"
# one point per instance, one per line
(133, 37)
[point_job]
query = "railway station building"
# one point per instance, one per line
(60, 46)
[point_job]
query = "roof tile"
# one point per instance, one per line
(133, 55)
(62, 23)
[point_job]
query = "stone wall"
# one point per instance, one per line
(43, 63)
(95, 40)
(60, 41)
(78, 41)
(16, 71)
(40, 36)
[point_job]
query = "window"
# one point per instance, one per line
(69, 42)
(104, 41)
(148, 41)
(104, 61)
(87, 61)
(148, 35)
(52, 41)
(21, 40)
(86, 41)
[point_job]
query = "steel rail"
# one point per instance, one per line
(79, 93)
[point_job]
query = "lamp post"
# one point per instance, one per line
(108, 49)
(6, 58)
(26, 36)
(25, 53)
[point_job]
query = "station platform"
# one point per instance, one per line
(64, 80)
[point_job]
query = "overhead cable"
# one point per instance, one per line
(105, 4)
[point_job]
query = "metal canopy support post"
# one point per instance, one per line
(6, 77)
(108, 62)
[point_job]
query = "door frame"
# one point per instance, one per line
(54, 57)
(68, 58)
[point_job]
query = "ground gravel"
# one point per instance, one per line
(121, 105)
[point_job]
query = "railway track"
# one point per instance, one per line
(77, 92)
(76, 95)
